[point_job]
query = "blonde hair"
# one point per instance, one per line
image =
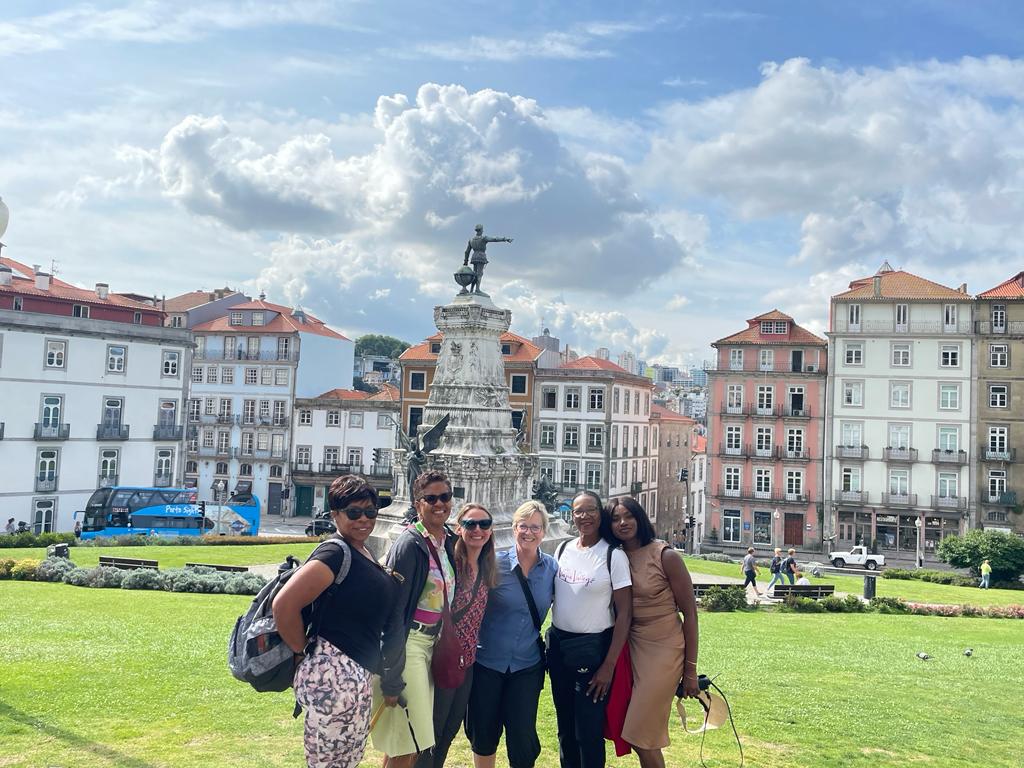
(529, 509)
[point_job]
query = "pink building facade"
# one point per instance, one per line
(766, 430)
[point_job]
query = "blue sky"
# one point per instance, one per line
(667, 169)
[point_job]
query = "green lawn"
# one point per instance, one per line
(176, 557)
(97, 678)
(914, 591)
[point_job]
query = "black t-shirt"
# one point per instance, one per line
(354, 612)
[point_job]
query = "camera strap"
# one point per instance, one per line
(716, 712)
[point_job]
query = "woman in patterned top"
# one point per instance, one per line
(476, 575)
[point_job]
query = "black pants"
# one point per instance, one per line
(505, 701)
(449, 713)
(751, 579)
(580, 718)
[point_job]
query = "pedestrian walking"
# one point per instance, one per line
(986, 574)
(750, 570)
(775, 568)
(789, 567)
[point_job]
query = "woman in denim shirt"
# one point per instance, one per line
(509, 671)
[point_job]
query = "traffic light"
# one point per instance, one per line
(684, 475)
(692, 521)
(202, 509)
(376, 457)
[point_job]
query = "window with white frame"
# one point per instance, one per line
(80, 310)
(248, 411)
(733, 439)
(355, 457)
(734, 398)
(767, 327)
(211, 374)
(732, 479)
(280, 413)
(949, 397)
(223, 441)
(899, 437)
(235, 318)
(197, 374)
(227, 375)
(766, 359)
(795, 441)
(949, 485)
(596, 398)
(284, 346)
(43, 512)
(164, 469)
(210, 406)
(853, 393)
(626, 400)
(417, 381)
(225, 407)
(194, 407)
(56, 353)
(547, 469)
(266, 376)
(570, 472)
(998, 355)
(613, 476)
(355, 419)
(229, 349)
(251, 376)
(949, 356)
(169, 364)
(731, 526)
(305, 417)
(277, 446)
(902, 318)
(333, 418)
(571, 436)
(762, 482)
(383, 422)
(901, 355)
(781, 326)
(109, 460)
(998, 440)
(899, 394)
(547, 435)
(854, 353)
(248, 443)
(949, 439)
(763, 441)
(595, 437)
(264, 409)
(593, 475)
(765, 398)
(998, 395)
(735, 359)
(116, 358)
(949, 317)
(615, 400)
(303, 454)
(52, 407)
(257, 318)
(853, 317)
(998, 315)
(996, 484)
(572, 398)
(636, 402)
(899, 482)
(262, 441)
(209, 438)
(850, 479)
(794, 483)
(280, 377)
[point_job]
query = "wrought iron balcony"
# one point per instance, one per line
(857, 452)
(163, 481)
(950, 502)
(52, 431)
(1005, 499)
(168, 432)
(227, 418)
(851, 497)
(941, 456)
(801, 455)
(381, 470)
(336, 468)
(1006, 328)
(302, 466)
(999, 454)
(900, 499)
(900, 454)
(796, 413)
(46, 482)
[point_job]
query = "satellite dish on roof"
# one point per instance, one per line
(5, 216)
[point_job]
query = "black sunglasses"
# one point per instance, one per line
(471, 524)
(354, 513)
(433, 498)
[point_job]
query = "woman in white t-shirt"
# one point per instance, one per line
(590, 620)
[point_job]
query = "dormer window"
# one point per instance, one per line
(257, 318)
(767, 326)
(235, 319)
(781, 326)
(435, 347)
(506, 349)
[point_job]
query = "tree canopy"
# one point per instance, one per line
(1004, 551)
(377, 344)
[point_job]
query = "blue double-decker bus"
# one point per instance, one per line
(122, 510)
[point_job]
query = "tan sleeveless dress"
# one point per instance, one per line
(656, 645)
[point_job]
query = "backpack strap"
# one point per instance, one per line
(560, 550)
(346, 556)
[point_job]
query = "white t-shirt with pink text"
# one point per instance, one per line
(583, 587)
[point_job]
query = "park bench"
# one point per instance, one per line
(813, 591)
(127, 563)
(228, 568)
(700, 589)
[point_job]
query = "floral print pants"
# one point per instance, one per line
(335, 691)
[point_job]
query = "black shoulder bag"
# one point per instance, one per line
(534, 614)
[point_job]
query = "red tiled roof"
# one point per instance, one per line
(524, 352)
(592, 363)
(752, 334)
(285, 322)
(699, 444)
(1008, 289)
(773, 315)
(898, 284)
(344, 394)
(667, 414)
(26, 286)
(388, 393)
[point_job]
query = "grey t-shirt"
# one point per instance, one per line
(748, 563)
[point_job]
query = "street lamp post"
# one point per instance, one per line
(775, 525)
(917, 525)
(218, 492)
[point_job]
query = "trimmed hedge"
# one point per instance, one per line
(729, 598)
(935, 577)
(139, 540)
(11, 540)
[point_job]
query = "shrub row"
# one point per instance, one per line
(728, 598)
(205, 580)
(138, 540)
(897, 606)
(933, 576)
(12, 540)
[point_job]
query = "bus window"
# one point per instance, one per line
(184, 497)
(98, 499)
(141, 499)
(121, 498)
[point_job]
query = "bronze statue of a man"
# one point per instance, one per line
(477, 245)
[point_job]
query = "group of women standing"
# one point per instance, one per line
(615, 595)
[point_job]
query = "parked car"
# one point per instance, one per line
(858, 556)
(319, 526)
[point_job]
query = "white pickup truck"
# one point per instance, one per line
(858, 556)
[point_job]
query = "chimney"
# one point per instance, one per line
(36, 268)
(42, 281)
(6, 274)
(962, 288)
(877, 286)
(102, 290)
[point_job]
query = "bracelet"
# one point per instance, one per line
(687, 661)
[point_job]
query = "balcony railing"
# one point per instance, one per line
(900, 499)
(999, 454)
(800, 455)
(774, 496)
(168, 432)
(217, 355)
(858, 452)
(769, 452)
(796, 413)
(228, 418)
(900, 454)
(52, 431)
(335, 468)
(754, 365)
(1005, 499)
(163, 481)
(106, 481)
(941, 456)
(302, 466)
(112, 431)
(46, 483)
(949, 502)
(851, 497)
(913, 327)
(1007, 328)
(381, 470)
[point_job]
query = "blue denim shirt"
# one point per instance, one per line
(507, 635)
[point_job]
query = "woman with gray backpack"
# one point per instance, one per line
(350, 614)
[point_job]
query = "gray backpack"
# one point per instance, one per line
(257, 654)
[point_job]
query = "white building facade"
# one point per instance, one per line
(899, 437)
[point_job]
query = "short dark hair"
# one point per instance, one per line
(349, 488)
(645, 532)
(426, 478)
(605, 529)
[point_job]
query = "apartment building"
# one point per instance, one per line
(342, 432)
(91, 392)
(190, 309)
(766, 419)
(901, 393)
(419, 361)
(250, 366)
(998, 362)
(675, 435)
(697, 504)
(594, 431)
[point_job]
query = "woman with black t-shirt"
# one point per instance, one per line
(332, 683)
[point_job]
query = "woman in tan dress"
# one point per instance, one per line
(663, 648)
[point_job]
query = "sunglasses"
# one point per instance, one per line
(469, 525)
(354, 513)
(433, 498)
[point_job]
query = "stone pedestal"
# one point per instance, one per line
(478, 450)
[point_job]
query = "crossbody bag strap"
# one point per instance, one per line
(534, 613)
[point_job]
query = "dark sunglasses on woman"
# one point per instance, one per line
(354, 513)
(471, 524)
(433, 498)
